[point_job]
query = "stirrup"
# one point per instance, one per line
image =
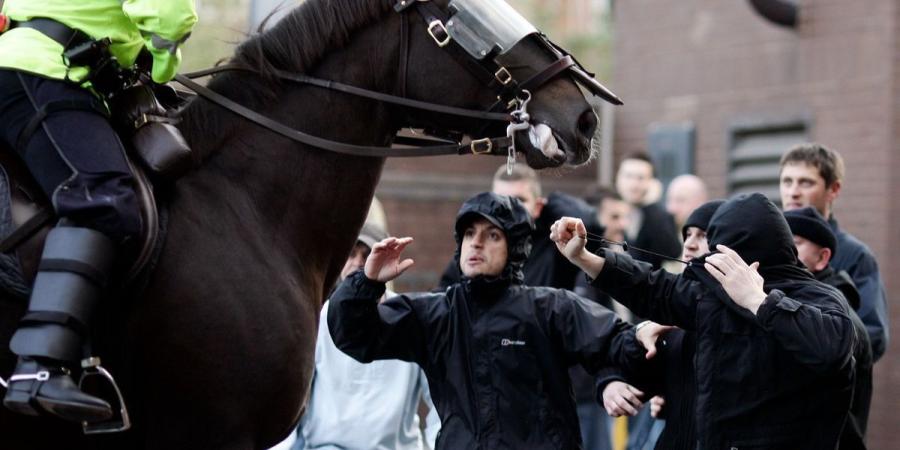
(92, 368)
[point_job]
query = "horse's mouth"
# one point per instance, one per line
(544, 148)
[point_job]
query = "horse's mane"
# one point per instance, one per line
(296, 43)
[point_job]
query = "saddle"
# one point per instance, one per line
(26, 216)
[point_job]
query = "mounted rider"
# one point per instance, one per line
(59, 60)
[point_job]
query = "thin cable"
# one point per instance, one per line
(597, 238)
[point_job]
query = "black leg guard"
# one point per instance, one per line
(68, 286)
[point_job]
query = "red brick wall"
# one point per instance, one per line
(715, 62)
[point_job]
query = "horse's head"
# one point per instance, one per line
(481, 54)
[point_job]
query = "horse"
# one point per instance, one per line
(216, 351)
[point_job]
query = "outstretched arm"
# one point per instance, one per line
(655, 294)
(368, 330)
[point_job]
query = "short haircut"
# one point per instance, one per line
(641, 156)
(828, 162)
(520, 172)
(596, 194)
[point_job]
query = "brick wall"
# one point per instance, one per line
(716, 63)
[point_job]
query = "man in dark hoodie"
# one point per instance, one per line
(496, 353)
(773, 354)
(545, 266)
(670, 372)
(816, 244)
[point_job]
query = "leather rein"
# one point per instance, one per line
(511, 96)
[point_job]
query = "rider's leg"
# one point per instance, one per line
(78, 160)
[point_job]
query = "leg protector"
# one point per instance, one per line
(70, 281)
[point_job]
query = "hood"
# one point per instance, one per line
(753, 226)
(506, 213)
(701, 216)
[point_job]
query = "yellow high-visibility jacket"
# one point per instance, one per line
(159, 25)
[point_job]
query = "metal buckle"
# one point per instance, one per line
(503, 76)
(92, 368)
(437, 24)
(40, 376)
(478, 142)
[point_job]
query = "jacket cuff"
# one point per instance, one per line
(363, 287)
(775, 302)
(611, 267)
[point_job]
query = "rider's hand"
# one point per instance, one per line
(383, 263)
(621, 399)
(741, 282)
(647, 334)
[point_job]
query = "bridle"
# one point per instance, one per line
(510, 106)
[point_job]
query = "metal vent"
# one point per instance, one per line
(754, 156)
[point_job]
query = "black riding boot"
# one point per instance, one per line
(68, 286)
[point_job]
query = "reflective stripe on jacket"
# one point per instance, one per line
(159, 25)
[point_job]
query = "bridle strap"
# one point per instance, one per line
(360, 92)
(483, 70)
(404, 55)
(539, 79)
(494, 146)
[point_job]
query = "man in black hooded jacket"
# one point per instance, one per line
(773, 366)
(496, 353)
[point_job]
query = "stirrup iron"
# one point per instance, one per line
(91, 368)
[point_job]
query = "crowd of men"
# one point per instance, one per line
(756, 327)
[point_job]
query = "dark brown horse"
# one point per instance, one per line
(217, 351)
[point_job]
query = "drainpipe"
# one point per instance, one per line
(779, 12)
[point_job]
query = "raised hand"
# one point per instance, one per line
(383, 263)
(741, 282)
(621, 399)
(570, 236)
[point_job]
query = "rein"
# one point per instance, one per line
(478, 147)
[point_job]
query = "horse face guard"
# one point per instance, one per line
(479, 35)
(483, 32)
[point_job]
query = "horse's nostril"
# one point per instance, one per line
(587, 123)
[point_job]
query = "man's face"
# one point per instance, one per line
(801, 185)
(695, 244)
(615, 216)
(633, 180)
(522, 190)
(356, 260)
(812, 255)
(483, 250)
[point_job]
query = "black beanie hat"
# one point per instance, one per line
(809, 224)
(700, 217)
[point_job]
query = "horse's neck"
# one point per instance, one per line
(307, 202)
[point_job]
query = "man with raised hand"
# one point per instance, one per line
(496, 353)
(773, 352)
